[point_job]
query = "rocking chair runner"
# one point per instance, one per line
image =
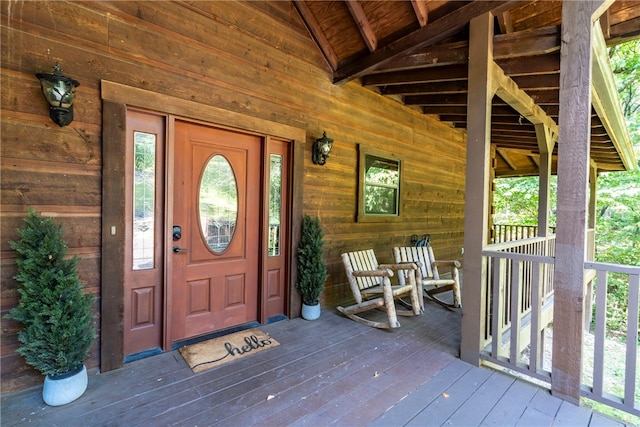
(429, 278)
(371, 287)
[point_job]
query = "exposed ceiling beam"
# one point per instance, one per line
(543, 64)
(624, 31)
(422, 13)
(432, 33)
(605, 25)
(605, 100)
(438, 99)
(316, 33)
(361, 20)
(455, 86)
(505, 23)
(509, 91)
(424, 75)
(507, 159)
(528, 43)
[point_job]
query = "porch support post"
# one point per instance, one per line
(546, 142)
(476, 219)
(573, 174)
(593, 187)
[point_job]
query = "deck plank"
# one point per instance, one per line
(572, 415)
(372, 361)
(454, 396)
(323, 373)
(408, 408)
(511, 406)
(598, 420)
(480, 403)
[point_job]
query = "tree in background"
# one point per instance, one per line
(618, 197)
(618, 204)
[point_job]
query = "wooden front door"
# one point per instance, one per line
(215, 238)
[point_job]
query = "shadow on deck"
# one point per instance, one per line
(328, 371)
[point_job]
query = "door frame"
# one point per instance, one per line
(116, 98)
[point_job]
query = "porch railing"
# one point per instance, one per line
(510, 232)
(593, 385)
(518, 307)
(519, 304)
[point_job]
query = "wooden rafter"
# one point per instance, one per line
(316, 32)
(360, 18)
(509, 91)
(422, 13)
(507, 159)
(432, 33)
(505, 23)
(605, 100)
(514, 45)
(429, 73)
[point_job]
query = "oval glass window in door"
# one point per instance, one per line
(218, 204)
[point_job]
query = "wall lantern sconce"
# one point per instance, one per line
(321, 149)
(60, 92)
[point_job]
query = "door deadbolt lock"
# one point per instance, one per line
(177, 232)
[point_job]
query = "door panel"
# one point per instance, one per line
(144, 219)
(274, 297)
(214, 278)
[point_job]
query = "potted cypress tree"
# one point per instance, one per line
(58, 327)
(312, 270)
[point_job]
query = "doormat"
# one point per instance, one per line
(214, 352)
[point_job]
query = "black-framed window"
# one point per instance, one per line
(379, 186)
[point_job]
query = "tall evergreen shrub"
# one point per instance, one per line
(57, 321)
(312, 270)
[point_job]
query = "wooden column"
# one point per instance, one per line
(481, 91)
(593, 187)
(113, 226)
(573, 174)
(545, 145)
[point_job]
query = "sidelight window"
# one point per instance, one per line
(144, 187)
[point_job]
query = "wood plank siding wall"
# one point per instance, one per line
(254, 58)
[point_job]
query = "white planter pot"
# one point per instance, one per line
(66, 388)
(310, 312)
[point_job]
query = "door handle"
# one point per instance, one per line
(177, 250)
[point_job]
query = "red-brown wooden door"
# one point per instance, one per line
(216, 205)
(144, 236)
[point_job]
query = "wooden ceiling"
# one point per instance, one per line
(417, 53)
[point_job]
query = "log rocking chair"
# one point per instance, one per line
(371, 286)
(428, 276)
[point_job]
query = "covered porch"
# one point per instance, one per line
(332, 371)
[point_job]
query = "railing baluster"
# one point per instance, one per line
(600, 332)
(516, 318)
(521, 284)
(632, 341)
(497, 281)
(535, 353)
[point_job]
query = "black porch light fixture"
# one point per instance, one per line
(60, 92)
(321, 149)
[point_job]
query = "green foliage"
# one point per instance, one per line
(381, 185)
(618, 198)
(57, 322)
(625, 63)
(516, 200)
(312, 270)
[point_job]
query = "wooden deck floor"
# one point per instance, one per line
(331, 371)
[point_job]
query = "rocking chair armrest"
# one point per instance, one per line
(452, 264)
(381, 272)
(401, 266)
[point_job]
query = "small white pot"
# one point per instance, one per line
(66, 388)
(311, 312)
